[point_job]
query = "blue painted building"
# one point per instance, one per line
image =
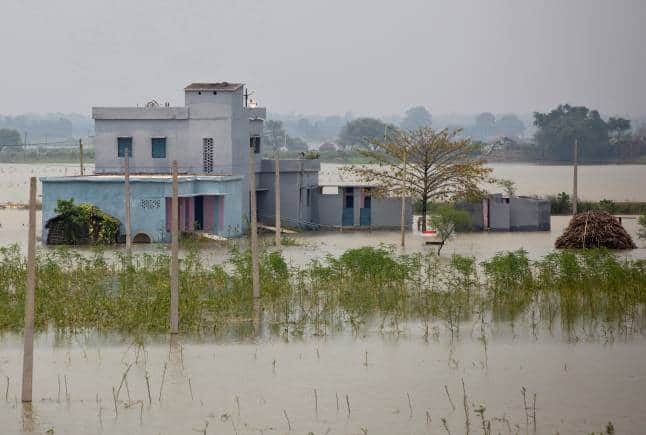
(211, 138)
(206, 203)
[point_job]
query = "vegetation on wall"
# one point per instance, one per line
(85, 223)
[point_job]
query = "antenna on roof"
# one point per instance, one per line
(248, 94)
(151, 104)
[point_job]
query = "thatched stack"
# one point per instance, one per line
(595, 229)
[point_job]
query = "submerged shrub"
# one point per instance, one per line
(131, 295)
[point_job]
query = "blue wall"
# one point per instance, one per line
(147, 199)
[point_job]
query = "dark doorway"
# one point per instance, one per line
(199, 212)
(347, 217)
(364, 212)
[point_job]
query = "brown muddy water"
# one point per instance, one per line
(316, 244)
(379, 382)
(256, 386)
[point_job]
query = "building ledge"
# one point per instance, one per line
(129, 113)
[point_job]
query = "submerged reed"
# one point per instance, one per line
(363, 287)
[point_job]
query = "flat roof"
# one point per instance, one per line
(336, 176)
(151, 178)
(121, 113)
(218, 86)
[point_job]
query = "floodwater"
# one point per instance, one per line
(379, 382)
(317, 244)
(256, 386)
(596, 182)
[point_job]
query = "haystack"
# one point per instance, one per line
(595, 229)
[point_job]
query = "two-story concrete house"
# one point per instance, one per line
(210, 138)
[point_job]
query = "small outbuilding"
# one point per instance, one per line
(502, 213)
(346, 201)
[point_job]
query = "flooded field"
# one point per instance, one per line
(477, 362)
(376, 384)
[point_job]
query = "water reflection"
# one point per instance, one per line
(29, 417)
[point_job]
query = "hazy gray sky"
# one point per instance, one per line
(327, 56)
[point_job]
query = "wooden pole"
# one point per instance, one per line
(81, 156)
(174, 256)
(30, 290)
(575, 181)
(253, 229)
(277, 199)
(403, 211)
(127, 201)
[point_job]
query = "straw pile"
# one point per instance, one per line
(595, 229)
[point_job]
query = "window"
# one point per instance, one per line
(123, 144)
(254, 142)
(308, 200)
(207, 154)
(158, 146)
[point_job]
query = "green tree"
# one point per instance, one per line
(9, 137)
(618, 127)
(363, 133)
(508, 186)
(274, 133)
(485, 126)
(416, 117)
(560, 204)
(641, 233)
(438, 167)
(558, 129)
(510, 126)
(296, 144)
(445, 219)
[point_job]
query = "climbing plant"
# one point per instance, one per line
(86, 223)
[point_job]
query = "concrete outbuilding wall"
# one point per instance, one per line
(509, 214)
(296, 178)
(385, 213)
(148, 200)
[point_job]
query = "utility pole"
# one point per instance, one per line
(174, 256)
(126, 187)
(30, 290)
(253, 227)
(81, 156)
(575, 181)
(403, 211)
(277, 191)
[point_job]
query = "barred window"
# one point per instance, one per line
(124, 144)
(158, 147)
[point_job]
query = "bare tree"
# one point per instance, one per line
(439, 166)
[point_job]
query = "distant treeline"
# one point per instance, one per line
(40, 128)
(561, 204)
(44, 154)
(549, 138)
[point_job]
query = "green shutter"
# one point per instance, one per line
(123, 144)
(158, 147)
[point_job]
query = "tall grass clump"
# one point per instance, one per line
(589, 290)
